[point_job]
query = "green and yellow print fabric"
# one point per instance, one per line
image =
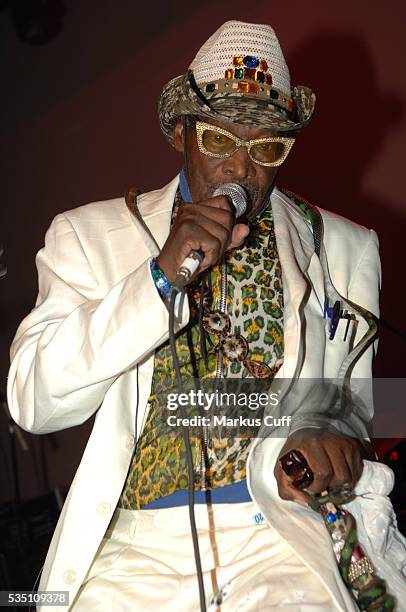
(255, 296)
(255, 306)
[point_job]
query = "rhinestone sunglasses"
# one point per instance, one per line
(214, 141)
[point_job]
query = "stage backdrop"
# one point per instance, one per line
(79, 123)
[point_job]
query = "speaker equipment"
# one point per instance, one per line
(25, 533)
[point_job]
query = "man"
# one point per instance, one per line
(97, 343)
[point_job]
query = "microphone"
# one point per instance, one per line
(238, 198)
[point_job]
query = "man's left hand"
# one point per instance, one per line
(334, 460)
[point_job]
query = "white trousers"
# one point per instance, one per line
(146, 562)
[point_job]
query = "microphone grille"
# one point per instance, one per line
(237, 195)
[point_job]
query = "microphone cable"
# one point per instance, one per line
(189, 458)
(3, 265)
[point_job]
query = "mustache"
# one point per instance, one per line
(251, 191)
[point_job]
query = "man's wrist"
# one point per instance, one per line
(162, 283)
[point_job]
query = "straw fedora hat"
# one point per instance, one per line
(238, 75)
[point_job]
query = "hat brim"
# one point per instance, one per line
(178, 98)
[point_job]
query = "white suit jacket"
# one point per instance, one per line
(96, 324)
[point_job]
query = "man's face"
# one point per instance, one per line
(206, 173)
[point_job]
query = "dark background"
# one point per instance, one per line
(79, 123)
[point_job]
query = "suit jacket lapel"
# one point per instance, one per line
(300, 264)
(156, 209)
(130, 243)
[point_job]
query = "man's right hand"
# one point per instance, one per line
(208, 225)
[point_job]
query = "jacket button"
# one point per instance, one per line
(103, 508)
(130, 442)
(69, 577)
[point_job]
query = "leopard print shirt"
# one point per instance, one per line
(255, 306)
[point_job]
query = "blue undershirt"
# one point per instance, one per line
(230, 494)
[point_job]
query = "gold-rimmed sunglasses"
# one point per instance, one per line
(214, 141)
